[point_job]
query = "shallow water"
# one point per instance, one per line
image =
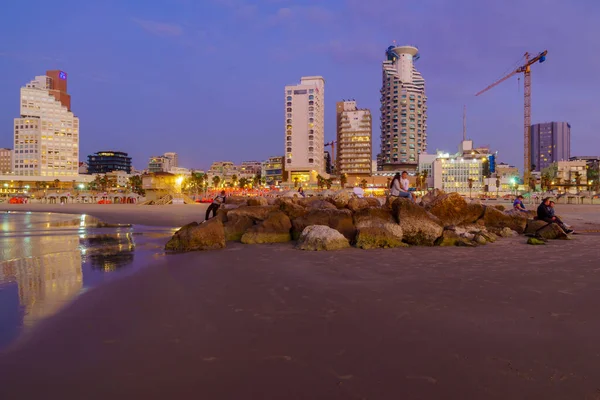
(47, 260)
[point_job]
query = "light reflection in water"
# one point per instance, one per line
(50, 259)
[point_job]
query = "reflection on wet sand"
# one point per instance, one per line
(51, 258)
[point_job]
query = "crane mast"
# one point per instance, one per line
(525, 69)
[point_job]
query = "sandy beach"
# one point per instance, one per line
(502, 321)
(582, 217)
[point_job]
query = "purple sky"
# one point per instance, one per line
(205, 78)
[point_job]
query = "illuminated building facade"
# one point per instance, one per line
(103, 162)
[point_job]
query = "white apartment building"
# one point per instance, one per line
(6, 161)
(353, 139)
(403, 111)
(305, 129)
(46, 136)
(249, 169)
(174, 159)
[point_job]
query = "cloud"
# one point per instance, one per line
(159, 28)
(299, 14)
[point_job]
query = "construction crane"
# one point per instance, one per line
(525, 69)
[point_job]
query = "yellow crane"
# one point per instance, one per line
(525, 69)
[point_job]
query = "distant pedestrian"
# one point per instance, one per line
(301, 192)
(214, 206)
(518, 204)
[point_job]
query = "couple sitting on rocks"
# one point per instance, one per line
(545, 212)
(399, 186)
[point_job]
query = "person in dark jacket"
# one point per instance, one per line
(546, 213)
(214, 206)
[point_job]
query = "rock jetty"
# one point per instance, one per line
(337, 220)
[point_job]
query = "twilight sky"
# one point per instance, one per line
(205, 78)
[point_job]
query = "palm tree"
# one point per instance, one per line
(243, 183)
(497, 187)
(234, 180)
(328, 183)
(56, 183)
(320, 181)
(216, 180)
(296, 181)
(343, 180)
(470, 187)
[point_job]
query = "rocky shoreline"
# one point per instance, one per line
(338, 220)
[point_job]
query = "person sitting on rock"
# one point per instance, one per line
(399, 186)
(546, 213)
(301, 192)
(518, 204)
(214, 206)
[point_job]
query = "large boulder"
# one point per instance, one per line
(452, 238)
(236, 226)
(533, 225)
(321, 204)
(453, 209)
(419, 227)
(356, 204)
(239, 200)
(377, 234)
(430, 196)
(274, 229)
(256, 213)
(321, 237)
(521, 214)
(340, 198)
(291, 209)
(373, 201)
(551, 231)
(367, 216)
(340, 220)
(209, 235)
(258, 201)
(493, 218)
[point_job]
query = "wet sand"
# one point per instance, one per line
(586, 217)
(504, 321)
(173, 215)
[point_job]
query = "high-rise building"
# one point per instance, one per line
(550, 143)
(6, 163)
(47, 133)
(304, 129)
(353, 139)
(103, 162)
(174, 159)
(403, 111)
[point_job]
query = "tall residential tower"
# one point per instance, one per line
(403, 111)
(550, 143)
(305, 129)
(353, 139)
(47, 133)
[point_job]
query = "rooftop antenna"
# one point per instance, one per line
(464, 123)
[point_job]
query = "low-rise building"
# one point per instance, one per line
(249, 169)
(103, 162)
(273, 171)
(571, 176)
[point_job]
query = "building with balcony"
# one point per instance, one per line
(249, 169)
(273, 171)
(46, 135)
(305, 129)
(353, 139)
(174, 159)
(403, 111)
(103, 162)
(550, 142)
(6, 161)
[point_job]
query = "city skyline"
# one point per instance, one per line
(464, 47)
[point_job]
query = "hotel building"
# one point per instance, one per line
(304, 129)
(46, 136)
(403, 111)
